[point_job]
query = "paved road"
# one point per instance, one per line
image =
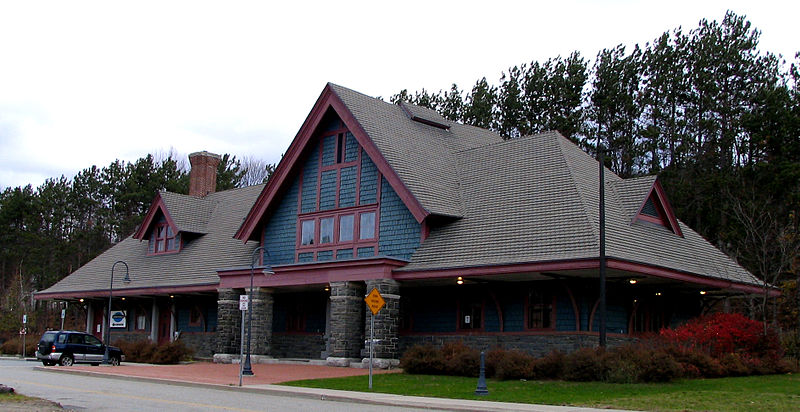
(88, 393)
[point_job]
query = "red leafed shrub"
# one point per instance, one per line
(724, 333)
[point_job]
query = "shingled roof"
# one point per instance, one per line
(215, 217)
(534, 199)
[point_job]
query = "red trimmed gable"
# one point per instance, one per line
(656, 209)
(150, 219)
(328, 100)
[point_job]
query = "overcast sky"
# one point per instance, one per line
(84, 83)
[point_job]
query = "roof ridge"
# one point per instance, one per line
(594, 226)
(504, 142)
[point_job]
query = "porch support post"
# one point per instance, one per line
(228, 319)
(347, 323)
(262, 321)
(387, 323)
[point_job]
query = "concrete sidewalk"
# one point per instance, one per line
(225, 377)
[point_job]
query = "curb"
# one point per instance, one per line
(371, 398)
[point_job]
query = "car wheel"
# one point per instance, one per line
(66, 360)
(114, 361)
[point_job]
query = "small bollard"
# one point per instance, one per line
(482, 390)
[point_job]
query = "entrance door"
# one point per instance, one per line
(97, 323)
(164, 323)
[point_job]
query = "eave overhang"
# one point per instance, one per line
(637, 268)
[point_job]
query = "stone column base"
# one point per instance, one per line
(234, 358)
(379, 363)
(341, 362)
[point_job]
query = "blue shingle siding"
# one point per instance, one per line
(616, 321)
(491, 323)
(514, 314)
(347, 187)
(351, 148)
(281, 228)
(328, 150)
(327, 198)
(565, 314)
(183, 314)
(399, 231)
(310, 169)
(344, 254)
(325, 255)
(369, 181)
(305, 257)
(366, 251)
(434, 314)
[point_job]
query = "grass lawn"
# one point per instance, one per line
(762, 393)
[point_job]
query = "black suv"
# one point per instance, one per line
(68, 347)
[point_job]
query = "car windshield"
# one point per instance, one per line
(49, 337)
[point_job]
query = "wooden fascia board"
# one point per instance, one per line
(158, 204)
(158, 290)
(312, 273)
(581, 264)
(327, 99)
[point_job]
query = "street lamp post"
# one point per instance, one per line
(602, 218)
(127, 280)
(247, 368)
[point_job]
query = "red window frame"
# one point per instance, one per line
(198, 320)
(528, 304)
(163, 237)
(335, 243)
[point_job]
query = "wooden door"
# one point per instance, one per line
(164, 323)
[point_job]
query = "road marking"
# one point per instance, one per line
(143, 398)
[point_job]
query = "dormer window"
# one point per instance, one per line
(656, 210)
(163, 240)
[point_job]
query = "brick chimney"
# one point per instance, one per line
(203, 176)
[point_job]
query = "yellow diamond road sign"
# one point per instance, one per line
(375, 301)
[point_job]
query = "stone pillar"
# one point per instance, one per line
(228, 322)
(387, 323)
(261, 340)
(346, 336)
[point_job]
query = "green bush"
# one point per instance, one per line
(514, 365)
(421, 359)
(13, 346)
(549, 367)
(148, 352)
(584, 365)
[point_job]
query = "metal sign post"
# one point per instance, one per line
(63, 315)
(24, 333)
(375, 302)
(244, 301)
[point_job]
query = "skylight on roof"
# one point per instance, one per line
(425, 116)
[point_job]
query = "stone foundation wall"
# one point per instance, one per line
(305, 346)
(202, 343)
(536, 345)
(128, 336)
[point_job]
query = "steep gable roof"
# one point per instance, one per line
(417, 159)
(195, 265)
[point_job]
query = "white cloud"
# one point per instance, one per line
(85, 83)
